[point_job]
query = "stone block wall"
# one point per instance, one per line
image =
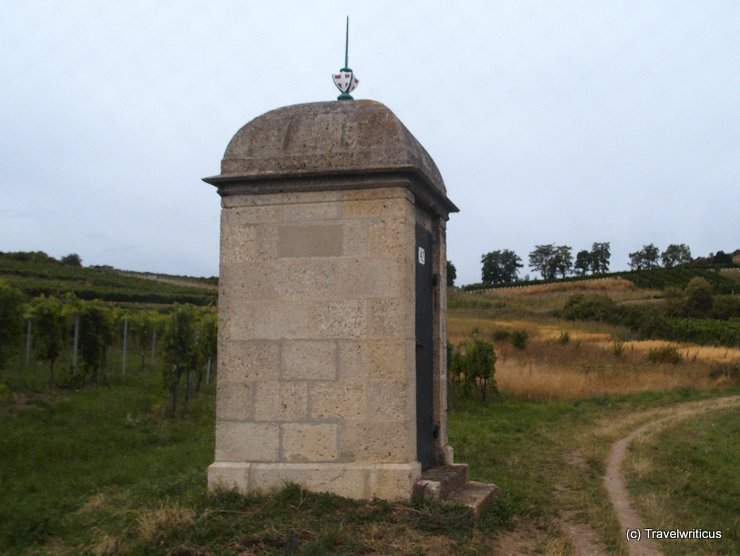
(316, 370)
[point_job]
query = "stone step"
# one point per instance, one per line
(449, 483)
(438, 483)
(475, 495)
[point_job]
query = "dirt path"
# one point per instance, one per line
(615, 483)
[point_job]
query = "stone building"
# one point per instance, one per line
(332, 304)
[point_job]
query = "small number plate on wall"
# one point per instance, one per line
(422, 256)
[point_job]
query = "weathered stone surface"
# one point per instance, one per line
(393, 481)
(363, 360)
(387, 400)
(281, 320)
(338, 400)
(340, 319)
(229, 475)
(247, 441)
(309, 360)
(234, 401)
(315, 240)
(280, 401)
(247, 361)
(382, 442)
(317, 346)
(303, 442)
(328, 137)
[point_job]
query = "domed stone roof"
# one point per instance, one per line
(338, 138)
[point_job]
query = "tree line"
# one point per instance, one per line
(553, 261)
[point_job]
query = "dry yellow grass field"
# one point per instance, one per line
(579, 360)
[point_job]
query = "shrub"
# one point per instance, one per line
(703, 331)
(665, 354)
(726, 307)
(473, 368)
(50, 328)
(501, 334)
(593, 306)
(618, 348)
(725, 370)
(11, 322)
(96, 335)
(519, 339)
(699, 299)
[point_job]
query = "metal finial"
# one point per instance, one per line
(346, 45)
(345, 80)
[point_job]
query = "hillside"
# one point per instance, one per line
(36, 273)
(724, 280)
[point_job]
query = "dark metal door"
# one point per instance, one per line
(424, 349)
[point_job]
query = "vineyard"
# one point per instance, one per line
(83, 325)
(679, 277)
(37, 274)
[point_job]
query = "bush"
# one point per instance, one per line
(665, 354)
(472, 368)
(591, 306)
(501, 335)
(96, 336)
(725, 370)
(11, 322)
(726, 307)
(699, 299)
(618, 348)
(519, 339)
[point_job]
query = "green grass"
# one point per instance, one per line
(548, 458)
(61, 450)
(685, 477)
(100, 470)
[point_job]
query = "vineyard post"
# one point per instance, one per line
(191, 380)
(154, 344)
(125, 342)
(29, 343)
(208, 372)
(76, 343)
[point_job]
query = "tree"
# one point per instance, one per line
(11, 322)
(541, 260)
(583, 262)
(500, 267)
(73, 259)
(549, 260)
(644, 259)
(451, 274)
(676, 254)
(721, 258)
(600, 254)
(50, 329)
(562, 260)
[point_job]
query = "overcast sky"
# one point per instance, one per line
(564, 122)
